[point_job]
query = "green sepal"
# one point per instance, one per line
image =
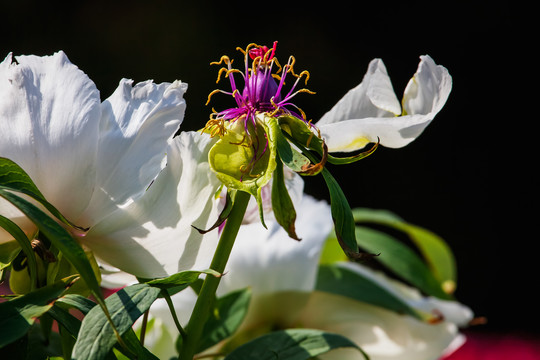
(282, 204)
(223, 215)
(232, 155)
(299, 133)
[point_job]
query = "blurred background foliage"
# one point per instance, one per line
(453, 180)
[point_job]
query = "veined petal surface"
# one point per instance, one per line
(50, 112)
(137, 124)
(154, 236)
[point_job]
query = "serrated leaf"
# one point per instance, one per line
(18, 315)
(361, 287)
(434, 249)
(96, 336)
(230, 311)
(292, 344)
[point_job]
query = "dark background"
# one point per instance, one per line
(456, 179)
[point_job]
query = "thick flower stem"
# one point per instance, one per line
(205, 301)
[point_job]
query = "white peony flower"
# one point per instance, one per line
(110, 166)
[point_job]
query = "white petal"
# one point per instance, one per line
(424, 97)
(427, 91)
(269, 261)
(137, 125)
(49, 119)
(373, 97)
(382, 334)
(153, 236)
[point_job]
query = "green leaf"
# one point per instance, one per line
(96, 336)
(13, 177)
(282, 204)
(18, 315)
(344, 226)
(230, 311)
(291, 344)
(434, 249)
(180, 278)
(8, 252)
(61, 239)
(23, 241)
(364, 288)
(76, 301)
(400, 259)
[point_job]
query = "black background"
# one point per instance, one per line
(456, 179)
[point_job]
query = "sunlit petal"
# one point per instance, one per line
(50, 113)
(137, 125)
(154, 235)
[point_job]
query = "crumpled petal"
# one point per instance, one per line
(381, 333)
(154, 235)
(137, 124)
(369, 112)
(50, 112)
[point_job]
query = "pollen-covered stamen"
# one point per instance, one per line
(264, 84)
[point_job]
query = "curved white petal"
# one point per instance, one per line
(373, 97)
(49, 119)
(269, 261)
(136, 127)
(382, 334)
(154, 236)
(350, 126)
(427, 91)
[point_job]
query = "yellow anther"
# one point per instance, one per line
(210, 95)
(224, 59)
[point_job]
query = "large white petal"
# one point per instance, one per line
(153, 236)
(49, 119)
(137, 125)
(424, 97)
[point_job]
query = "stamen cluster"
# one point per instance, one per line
(263, 90)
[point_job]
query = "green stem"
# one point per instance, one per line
(205, 301)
